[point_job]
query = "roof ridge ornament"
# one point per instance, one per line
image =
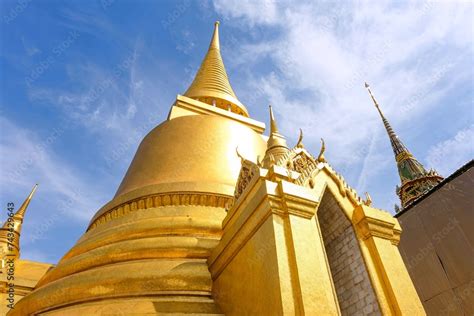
(299, 144)
(321, 157)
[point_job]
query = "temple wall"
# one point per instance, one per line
(437, 245)
(349, 274)
(258, 291)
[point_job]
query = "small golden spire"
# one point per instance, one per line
(211, 84)
(273, 124)
(20, 213)
(10, 245)
(276, 144)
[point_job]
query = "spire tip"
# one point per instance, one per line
(273, 125)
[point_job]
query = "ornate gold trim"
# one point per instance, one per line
(162, 200)
(403, 156)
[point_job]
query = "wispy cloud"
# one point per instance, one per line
(115, 104)
(252, 12)
(450, 154)
(29, 159)
(29, 47)
(413, 53)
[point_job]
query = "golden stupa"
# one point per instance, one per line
(213, 217)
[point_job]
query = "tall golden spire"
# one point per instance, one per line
(415, 179)
(276, 144)
(10, 244)
(211, 84)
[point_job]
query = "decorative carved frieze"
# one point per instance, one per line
(247, 172)
(163, 200)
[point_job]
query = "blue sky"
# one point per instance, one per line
(82, 83)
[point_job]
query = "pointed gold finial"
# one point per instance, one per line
(215, 37)
(12, 227)
(276, 144)
(273, 124)
(21, 211)
(211, 84)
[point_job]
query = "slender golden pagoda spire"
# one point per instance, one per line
(211, 84)
(8, 244)
(276, 144)
(273, 124)
(415, 179)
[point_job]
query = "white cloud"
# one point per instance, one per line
(413, 54)
(29, 159)
(101, 100)
(447, 156)
(119, 105)
(252, 12)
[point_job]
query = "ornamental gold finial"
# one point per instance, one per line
(273, 124)
(13, 226)
(299, 144)
(242, 159)
(211, 84)
(215, 37)
(368, 199)
(321, 152)
(276, 143)
(21, 211)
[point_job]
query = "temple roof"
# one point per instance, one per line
(211, 84)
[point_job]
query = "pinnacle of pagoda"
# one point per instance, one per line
(13, 225)
(211, 84)
(276, 144)
(415, 179)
